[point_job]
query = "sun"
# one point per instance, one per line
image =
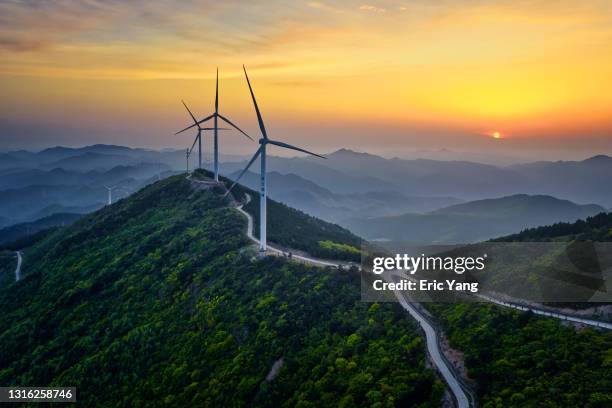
(496, 135)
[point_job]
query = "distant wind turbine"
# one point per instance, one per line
(216, 115)
(187, 151)
(261, 153)
(110, 193)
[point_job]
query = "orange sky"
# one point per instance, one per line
(401, 74)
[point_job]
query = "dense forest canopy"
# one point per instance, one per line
(522, 360)
(292, 228)
(158, 300)
(595, 228)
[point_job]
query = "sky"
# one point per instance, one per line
(387, 77)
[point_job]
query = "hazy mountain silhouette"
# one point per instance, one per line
(307, 196)
(348, 184)
(473, 221)
(320, 173)
(582, 181)
(17, 231)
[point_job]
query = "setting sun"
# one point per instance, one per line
(496, 135)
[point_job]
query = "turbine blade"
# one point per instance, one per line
(235, 127)
(212, 128)
(206, 118)
(217, 93)
(187, 128)
(194, 142)
(190, 114)
(196, 124)
(288, 146)
(259, 119)
(245, 170)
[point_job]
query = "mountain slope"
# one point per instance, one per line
(18, 231)
(475, 220)
(597, 228)
(294, 229)
(297, 192)
(157, 300)
(573, 180)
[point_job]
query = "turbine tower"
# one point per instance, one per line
(110, 193)
(215, 115)
(187, 159)
(261, 153)
(198, 138)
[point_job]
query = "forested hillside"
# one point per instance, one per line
(157, 300)
(595, 228)
(522, 360)
(8, 262)
(292, 228)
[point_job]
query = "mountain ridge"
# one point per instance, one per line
(158, 300)
(474, 221)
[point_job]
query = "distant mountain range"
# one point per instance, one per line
(17, 231)
(348, 185)
(298, 192)
(473, 221)
(60, 179)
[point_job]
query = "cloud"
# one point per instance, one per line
(317, 5)
(16, 44)
(374, 9)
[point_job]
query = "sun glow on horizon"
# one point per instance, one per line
(535, 71)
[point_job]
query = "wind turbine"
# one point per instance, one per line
(110, 193)
(216, 115)
(198, 138)
(261, 153)
(187, 159)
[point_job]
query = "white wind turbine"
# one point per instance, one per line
(110, 193)
(111, 189)
(216, 115)
(261, 153)
(198, 138)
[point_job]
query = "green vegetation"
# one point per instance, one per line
(596, 228)
(520, 360)
(292, 228)
(473, 221)
(340, 251)
(28, 240)
(8, 263)
(157, 300)
(24, 230)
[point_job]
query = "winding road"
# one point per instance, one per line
(18, 269)
(462, 399)
(541, 312)
(433, 349)
(305, 259)
(431, 336)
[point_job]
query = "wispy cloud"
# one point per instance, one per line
(449, 58)
(371, 8)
